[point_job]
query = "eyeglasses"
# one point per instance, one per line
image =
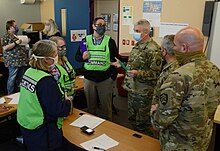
(100, 24)
(61, 47)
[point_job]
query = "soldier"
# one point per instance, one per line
(188, 97)
(144, 66)
(171, 64)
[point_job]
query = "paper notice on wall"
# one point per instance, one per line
(131, 29)
(24, 39)
(127, 15)
(77, 35)
(152, 11)
(170, 28)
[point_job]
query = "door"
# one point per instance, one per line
(77, 18)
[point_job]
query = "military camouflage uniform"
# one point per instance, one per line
(146, 58)
(188, 100)
(167, 70)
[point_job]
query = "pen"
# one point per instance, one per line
(98, 148)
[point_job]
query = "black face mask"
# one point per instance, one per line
(100, 30)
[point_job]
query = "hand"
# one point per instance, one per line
(19, 41)
(153, 108)
(116, 64)
(132, 73)
(86, 55)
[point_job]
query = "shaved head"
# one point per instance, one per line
(190, 39)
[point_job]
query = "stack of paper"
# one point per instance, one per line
(102, 142)
(87, 120)
(15, 98)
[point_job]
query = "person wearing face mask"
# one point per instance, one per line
(41, 106)
(63, 71)
(168, 55)
(143, 68)
(99, 74)
(188, 97)
(50, 29)
(15, 56)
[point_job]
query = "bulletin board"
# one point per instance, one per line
(173, 11)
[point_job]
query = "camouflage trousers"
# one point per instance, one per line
(139, 106)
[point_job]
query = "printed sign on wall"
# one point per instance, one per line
(77, 35)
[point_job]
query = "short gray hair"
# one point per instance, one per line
(145, 23)
(168, 44)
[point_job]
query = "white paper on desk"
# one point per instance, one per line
(103, 141)
(87, 120)
(2, 100)
(24, 39)
(15, 98)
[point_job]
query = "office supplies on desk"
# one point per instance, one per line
(103, 142)
(2, 100)
(98, 148)
(87, 120)
(4, 108)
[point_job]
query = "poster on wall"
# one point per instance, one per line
(170, 28)
(77, 35)
(115, 22)
(152, 11)
(107, 18)
(127, 15)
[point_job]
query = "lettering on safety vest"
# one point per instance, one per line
(28, 83)
(95, 62)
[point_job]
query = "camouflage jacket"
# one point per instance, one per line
(186, 107)
(167, 70)
(147, 59)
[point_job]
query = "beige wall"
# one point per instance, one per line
(47, 10)
(107, 7)
(178, 11)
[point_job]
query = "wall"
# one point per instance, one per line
(107, 7)
(213, 51)
(177, 11)
(47, 10)
(12, 9)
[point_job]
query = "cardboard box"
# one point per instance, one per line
(32, 26)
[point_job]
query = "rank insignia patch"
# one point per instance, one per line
(163, 98)
(158, 62)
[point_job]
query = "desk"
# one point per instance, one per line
(79, 86)
(123, 135)
(217, 115)
(216, 131)
(1, 59)
(12, 110)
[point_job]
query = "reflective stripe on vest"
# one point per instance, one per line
(66, 81)
(99, 54)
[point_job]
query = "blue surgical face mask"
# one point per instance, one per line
(100, 30)
(16, 29)
(137, 36)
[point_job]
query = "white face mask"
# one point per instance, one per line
(55, 60)
(47, 28)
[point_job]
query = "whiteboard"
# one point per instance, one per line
(214, 45)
